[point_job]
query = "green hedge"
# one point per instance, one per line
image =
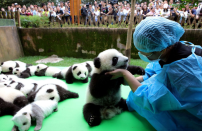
(34, 21)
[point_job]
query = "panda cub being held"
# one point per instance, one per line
(103, 94)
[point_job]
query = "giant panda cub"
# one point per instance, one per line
(8, 66)
(74, 73)
(17, 71)
(103, 94)
(32, 87)
(44, 70)
(25, 72)
(3, 80)
(61, 74)
(35, 111)
(13, 96)
(51, 92)
(8, 108)
(90, 66)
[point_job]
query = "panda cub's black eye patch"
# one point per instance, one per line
(25, 123)
(17, 69)
(78, 73)
(52, 98)
(49, 90)
(114, 61)
(85, 73)
(74, 67)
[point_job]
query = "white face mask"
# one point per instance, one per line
(145, 58)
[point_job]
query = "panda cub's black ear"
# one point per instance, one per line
(2, 63)
(74, 67)
(97, 62)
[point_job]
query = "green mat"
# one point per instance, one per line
(70, 118)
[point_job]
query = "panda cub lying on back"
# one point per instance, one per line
(104, 95)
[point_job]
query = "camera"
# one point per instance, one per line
(87, 5)
(100, 5)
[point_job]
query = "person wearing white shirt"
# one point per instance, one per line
(96, 13)
(138, 11)
(199, 8)
(62, 7)
(157, 10)
(183, 14)
(120, 12)
(165, 12)
(52, 12)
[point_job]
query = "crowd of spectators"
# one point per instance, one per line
(102, 9)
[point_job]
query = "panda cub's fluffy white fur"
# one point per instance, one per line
(50, 90)
(103, 99)
(17, 71)
(13, 96)
(44, 70)
(8, 66)
(73, 73)
(35, 111)
(23, 72)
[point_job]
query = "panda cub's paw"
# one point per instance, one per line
(76, 95)
(94, 120)
(140, 71)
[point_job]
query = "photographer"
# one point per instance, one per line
(52, 12)
(84, 13)
(103, 8)
(59, 13)
(138, 11)
(111, 10)
(174, 12)
(96, 13)
(90, 11)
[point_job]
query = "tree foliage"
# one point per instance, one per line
(192, 3)
(6, 3)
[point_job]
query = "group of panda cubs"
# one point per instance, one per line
(103, 98)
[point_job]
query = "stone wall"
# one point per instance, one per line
(82, 42)
(10, 45)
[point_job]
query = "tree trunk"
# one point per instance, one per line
(130, 27)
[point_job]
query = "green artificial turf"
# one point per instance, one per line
(70, 118)
(68, 61)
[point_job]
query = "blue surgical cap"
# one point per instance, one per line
(156, 33)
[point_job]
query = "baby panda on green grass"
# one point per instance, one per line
(35, 111)
(104, 99)
(73, 73)
(11, 101)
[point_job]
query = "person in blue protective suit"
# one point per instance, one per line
(172, 99)
(151, 69)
